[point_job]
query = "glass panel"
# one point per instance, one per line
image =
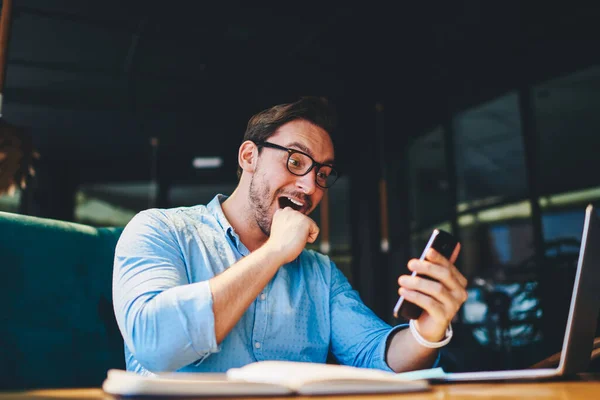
(10, 203)
(503, 309)
(562, 231)
(111, 204)
(340, 228)
(496, 232)
(496, 250)
(505, 318)
(490, 162)
(568, 125)
(191, 195)
(428, 180)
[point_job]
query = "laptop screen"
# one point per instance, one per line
(585, 300)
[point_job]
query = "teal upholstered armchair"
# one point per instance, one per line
(57, 327)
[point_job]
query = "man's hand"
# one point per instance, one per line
(290, 231)
(440, 300)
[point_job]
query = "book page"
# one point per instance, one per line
(431, 373)
(262, 378)
(297, 374)
(127, 383)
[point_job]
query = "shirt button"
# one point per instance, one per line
(257, 345)
(263, 296)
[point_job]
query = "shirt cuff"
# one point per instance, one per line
(197, 317)
(382, 351)
(381, 361)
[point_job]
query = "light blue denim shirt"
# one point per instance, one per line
(163, 303)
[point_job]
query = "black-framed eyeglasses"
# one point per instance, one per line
(300, 164)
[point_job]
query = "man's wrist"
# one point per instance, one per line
(272, 254)
(426, 343)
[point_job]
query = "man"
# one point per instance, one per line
(208, 288)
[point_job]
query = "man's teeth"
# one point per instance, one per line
(295, 202)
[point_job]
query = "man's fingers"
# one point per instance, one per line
(427, 303)
(436, 258)
(454, 255)
(313, 232)
(441, 273)
(431, 288)
(449, 276)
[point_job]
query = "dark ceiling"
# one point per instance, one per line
(94, 81)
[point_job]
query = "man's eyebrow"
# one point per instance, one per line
(306, 150)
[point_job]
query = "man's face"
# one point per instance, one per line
(272, 185)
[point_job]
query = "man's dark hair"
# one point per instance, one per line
(263, 125)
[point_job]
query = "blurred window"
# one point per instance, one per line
(111, 204)
(194, 194)
(489, 153)
(10, 203)
(340, 227)
(495, 221)
(428, 181)
(567, 123)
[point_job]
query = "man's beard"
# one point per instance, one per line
(260, 205)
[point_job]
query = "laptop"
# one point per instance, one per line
(581, 323)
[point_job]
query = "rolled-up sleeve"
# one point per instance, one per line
(166, 322)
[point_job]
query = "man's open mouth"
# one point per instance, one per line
(289, 202)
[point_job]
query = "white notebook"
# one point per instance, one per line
(264, 378)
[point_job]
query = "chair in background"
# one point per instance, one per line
(57, 324)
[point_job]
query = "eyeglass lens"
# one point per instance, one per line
(299, 164)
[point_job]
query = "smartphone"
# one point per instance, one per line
(444, 243)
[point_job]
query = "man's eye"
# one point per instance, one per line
(322, 175)
(294, 162)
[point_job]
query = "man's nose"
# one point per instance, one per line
(307, 183)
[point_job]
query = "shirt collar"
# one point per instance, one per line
(214, 207)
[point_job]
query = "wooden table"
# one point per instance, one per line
(547, 390)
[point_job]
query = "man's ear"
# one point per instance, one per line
(248, 156)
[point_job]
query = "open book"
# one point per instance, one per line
(263, 378)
